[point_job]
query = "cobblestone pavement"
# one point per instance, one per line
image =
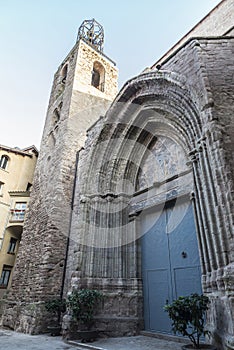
(10, 340)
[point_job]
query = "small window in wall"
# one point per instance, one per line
(5, 276)
(56, 114)
(98, 76)
(64, 73)
(4, 161)
(12, 246)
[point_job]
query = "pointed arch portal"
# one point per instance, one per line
(156, 117)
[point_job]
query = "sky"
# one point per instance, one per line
(36, 35)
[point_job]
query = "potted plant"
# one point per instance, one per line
(82, 304)
(188, 318)
(57, 307)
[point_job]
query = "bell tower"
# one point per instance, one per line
(84, 86)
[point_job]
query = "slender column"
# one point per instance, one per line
(199, 235)
(200, 214)
(215, 208)
(133, 263)
(225, 202)
(103, 237)
(209, 209)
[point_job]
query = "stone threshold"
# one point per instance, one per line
(83, 346)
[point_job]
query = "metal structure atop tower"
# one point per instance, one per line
(93, 33)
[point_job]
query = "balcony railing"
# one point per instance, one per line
(17, 215)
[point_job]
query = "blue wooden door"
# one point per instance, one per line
(170, 261)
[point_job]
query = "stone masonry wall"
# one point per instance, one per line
(217, 23)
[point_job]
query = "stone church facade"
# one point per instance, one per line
(133, 192)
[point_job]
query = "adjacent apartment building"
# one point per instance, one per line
(16, 175)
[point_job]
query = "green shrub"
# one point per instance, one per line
(188, 316)
(56, 306)
(82, 304)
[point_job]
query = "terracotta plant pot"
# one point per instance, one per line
(202, 347)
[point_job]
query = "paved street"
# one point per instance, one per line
(10, 340)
